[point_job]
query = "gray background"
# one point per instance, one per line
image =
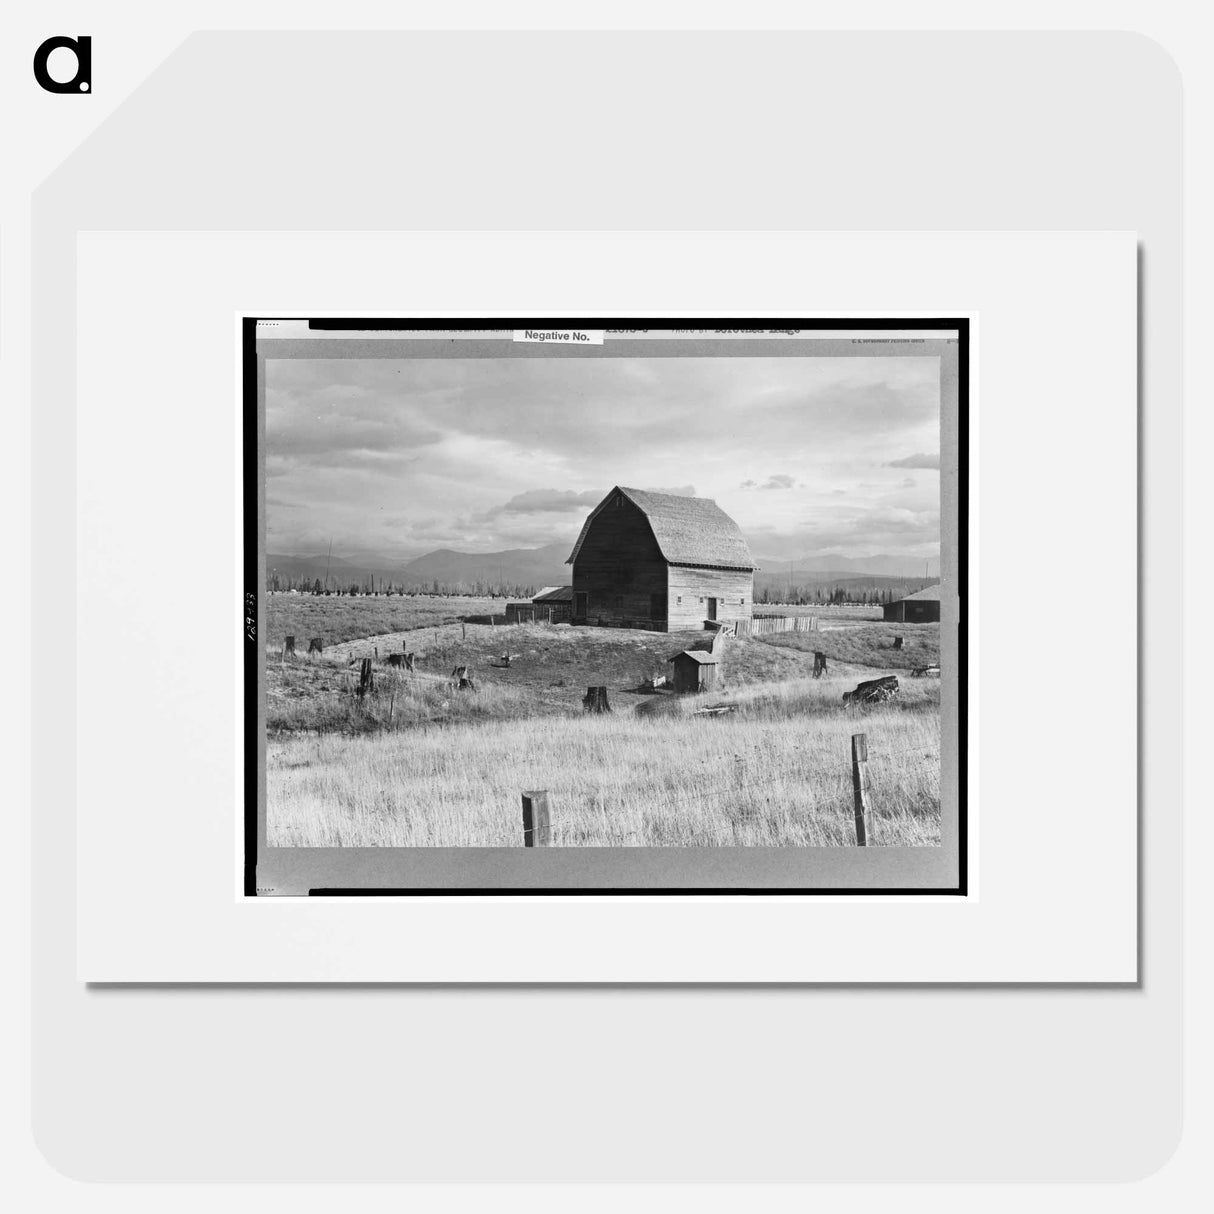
(295, 870)
(948, 131)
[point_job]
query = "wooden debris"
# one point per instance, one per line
(315, 646)
(925, 672)
(716, 710)
(875, 691)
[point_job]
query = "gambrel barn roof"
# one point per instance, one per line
(689, 530)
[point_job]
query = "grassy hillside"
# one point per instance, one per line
(418, 763)
(338, 619)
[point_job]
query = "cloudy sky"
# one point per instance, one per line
(812, 456)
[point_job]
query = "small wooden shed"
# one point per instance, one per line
(694, 670)
(922, 607)
(558, 600)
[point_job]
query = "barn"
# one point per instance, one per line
(662, 562)
(922, 607)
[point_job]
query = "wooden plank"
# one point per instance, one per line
(537, 823)
(860, 789)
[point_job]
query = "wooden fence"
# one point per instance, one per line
(763, 625)
(537, 807)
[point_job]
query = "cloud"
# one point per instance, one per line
(413, 453)
(780, 481)
(919, 460)
(545, 501)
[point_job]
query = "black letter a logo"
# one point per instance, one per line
(82, 48)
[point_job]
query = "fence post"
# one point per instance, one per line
(537, 827)
(859, 783)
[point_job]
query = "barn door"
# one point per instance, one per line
(579, 605)
(712, 609)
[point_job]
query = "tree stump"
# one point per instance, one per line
(315, 646)
(897, 642)
(819, 664)
(874, 691)
(288, 647)
(461, 680)
(366, 678)
(595, 700)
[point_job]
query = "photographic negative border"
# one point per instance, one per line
(350, 865)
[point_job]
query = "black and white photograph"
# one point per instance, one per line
(613, 589)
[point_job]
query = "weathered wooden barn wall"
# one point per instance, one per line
(912, 611)
(621, 570)
(732, 588)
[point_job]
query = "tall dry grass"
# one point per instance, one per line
(776, 772)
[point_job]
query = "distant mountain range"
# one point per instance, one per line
(513, 567)
(546, 567)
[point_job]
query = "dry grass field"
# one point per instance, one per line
(418, 763)
(343, 618)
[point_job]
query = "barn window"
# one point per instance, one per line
(680, 599)
(742, 601)
(701, 598)
(619, 500)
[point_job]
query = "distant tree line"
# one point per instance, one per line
(377, 586)
(808, 596)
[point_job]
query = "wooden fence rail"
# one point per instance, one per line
(765, 625)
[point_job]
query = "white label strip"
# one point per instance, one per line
(565, 337)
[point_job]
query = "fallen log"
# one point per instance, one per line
(874, 691)
(925, 672)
